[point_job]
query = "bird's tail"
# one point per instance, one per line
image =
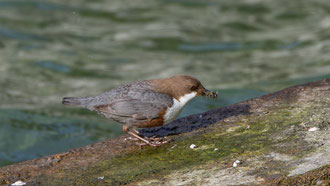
(87, 102)
(71, 101)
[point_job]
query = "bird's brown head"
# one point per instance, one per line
(178, 86)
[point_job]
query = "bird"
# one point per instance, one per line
(144, 104)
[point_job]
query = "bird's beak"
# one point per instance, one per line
(208, 93)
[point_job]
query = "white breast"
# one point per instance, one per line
(178, 105)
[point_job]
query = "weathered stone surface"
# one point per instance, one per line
(280, 138)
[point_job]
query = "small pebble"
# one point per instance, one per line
(313, 129)
(236, 163)
(19, 183)
(193, 146)
(100, 178)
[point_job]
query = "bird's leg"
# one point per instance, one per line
(136, 134)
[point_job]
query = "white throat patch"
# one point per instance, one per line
(178, 105)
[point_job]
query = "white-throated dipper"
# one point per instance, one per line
(144, 104)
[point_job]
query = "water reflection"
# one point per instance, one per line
(28, 135)
(54, 66)
(5, 32)
(211, 47)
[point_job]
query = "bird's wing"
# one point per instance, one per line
(146, 105)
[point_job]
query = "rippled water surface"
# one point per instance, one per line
(50, 49)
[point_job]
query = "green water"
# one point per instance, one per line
(50, 49)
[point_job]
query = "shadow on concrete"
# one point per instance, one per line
(197, 121)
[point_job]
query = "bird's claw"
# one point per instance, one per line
(157, 141)
(152, 141)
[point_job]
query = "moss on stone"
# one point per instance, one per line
(177, 155)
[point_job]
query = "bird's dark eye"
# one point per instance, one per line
(193, 88)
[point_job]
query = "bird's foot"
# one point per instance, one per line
(157, 141)
(152, 141)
